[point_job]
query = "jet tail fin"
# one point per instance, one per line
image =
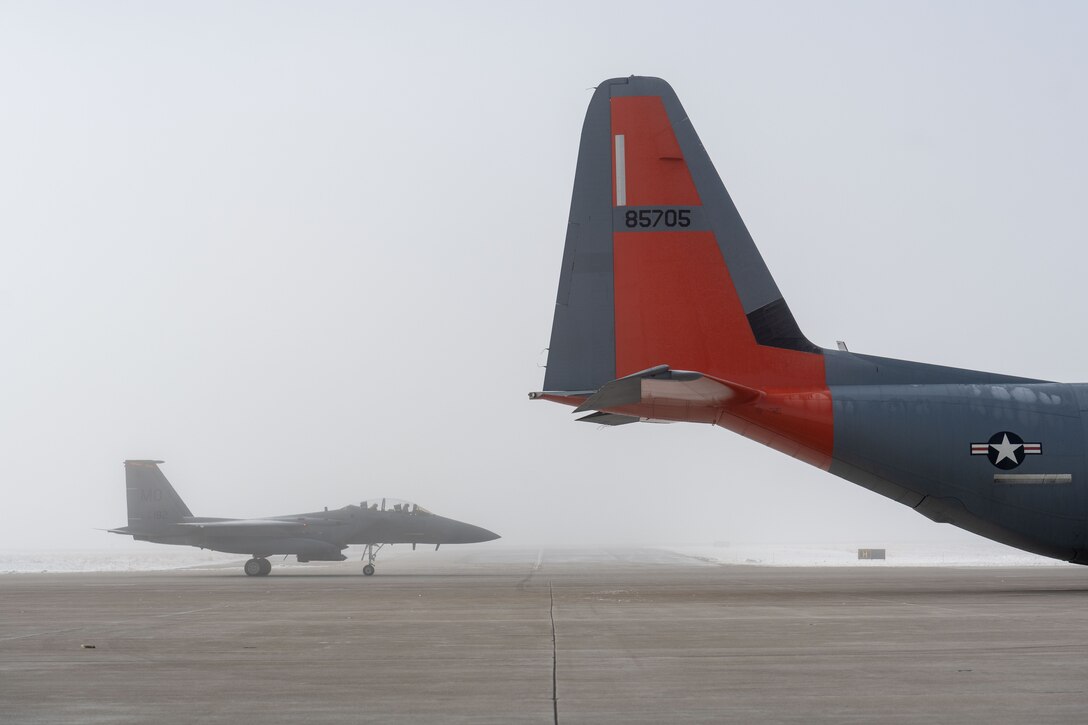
(152, 501)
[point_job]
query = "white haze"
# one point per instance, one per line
(306, 253)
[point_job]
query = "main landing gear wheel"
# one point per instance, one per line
(368, 570)
(257, 567)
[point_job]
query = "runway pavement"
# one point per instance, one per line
(496, 635)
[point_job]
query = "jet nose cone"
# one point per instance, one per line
(476, 534)
(450, 531)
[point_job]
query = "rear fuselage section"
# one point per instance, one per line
(996, 455)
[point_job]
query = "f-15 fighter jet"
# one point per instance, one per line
(156, 513)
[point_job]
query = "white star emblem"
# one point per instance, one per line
(1005, 450)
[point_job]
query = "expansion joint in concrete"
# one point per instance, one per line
(555, 656)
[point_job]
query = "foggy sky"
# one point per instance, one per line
(307, 253)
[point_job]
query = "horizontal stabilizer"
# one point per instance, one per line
(624, 391)
(667, 391)
(609, 419)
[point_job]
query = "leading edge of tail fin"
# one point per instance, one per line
(152, 501)
(658, 267)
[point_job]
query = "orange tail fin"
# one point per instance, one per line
(660, 272)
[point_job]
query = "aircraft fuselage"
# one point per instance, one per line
(319, 536)
(1001, 459)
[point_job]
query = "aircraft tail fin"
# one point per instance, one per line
(658, 267)
(152, 501)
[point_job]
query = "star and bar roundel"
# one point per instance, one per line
(1006, 450)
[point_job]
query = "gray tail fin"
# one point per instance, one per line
(152, 501)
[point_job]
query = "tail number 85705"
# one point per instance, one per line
(650, 218)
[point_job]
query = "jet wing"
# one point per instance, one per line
(245, 524)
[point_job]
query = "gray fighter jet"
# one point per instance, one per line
(156, 513)
(667, 312)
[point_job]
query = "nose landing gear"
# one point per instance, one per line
(370, 553)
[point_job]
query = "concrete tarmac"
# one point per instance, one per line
(496, 635)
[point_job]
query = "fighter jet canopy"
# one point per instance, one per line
(395, 505)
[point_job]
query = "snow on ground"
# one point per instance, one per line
(149, 557)
(981, 553)
(66, 561)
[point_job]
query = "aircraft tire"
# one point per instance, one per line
(266, 567)
(253, 567)
(368, 570)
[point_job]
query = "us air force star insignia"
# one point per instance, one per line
(1006, 450)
